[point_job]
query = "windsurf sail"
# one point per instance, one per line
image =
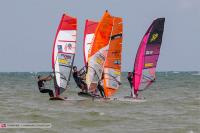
(112, 67)
(64, 52)
(147, 56)
(98, 51)
(90, 27)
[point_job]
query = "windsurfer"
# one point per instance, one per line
(100, 87)
(41, 85)
(86, 67)
(130, 77)
(83, 71)
(79, 80)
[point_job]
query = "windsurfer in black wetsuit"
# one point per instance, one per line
(130, 78)
(79, 80)
(41, 85)
(100, 87)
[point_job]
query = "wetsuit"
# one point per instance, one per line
(101, 90)
(130, 80)
(78, 80)
(42, 88)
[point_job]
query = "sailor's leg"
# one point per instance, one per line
(83, 86)
(101, 90)
(51, 93)
(130, 84)
(48, 91)
(102, 93)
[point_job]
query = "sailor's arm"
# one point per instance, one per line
(47, 78)
(119, 82)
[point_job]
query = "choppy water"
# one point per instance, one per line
(172, 106)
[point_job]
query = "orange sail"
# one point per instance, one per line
(98, 51)
(112, 67)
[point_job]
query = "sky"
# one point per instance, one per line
(28, 28)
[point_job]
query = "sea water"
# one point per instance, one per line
(172, 105)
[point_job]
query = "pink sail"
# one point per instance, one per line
(147, 56)
(90, 27)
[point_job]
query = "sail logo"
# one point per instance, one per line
(148, 65)
(116, 36)
(62, 61)
(149, 52)
(117, 62)
(59, 48)
(68, 46)
(99, 60)
(154, 37)
(66, 57)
